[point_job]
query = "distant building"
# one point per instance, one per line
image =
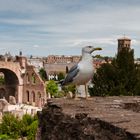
(137, 61)
(53, 70)
(36, 62)
(124, 43)
(98, 62)
(55, 64)
(53, 59)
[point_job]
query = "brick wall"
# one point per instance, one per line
(34, 88)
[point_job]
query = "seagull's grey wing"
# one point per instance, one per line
(71, 74)
(73, 68)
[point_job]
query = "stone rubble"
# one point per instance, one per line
(17, 109)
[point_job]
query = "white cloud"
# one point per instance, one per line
(100, 41)
(135, 42)
(36, 46)
(16, 21)
(66, 24)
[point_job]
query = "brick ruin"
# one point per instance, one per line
(21, 81)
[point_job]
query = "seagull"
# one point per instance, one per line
(82, 72)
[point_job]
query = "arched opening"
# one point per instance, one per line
(39, 100)
(28, 96)
(9, 82)
(33, 78)
(33, 96)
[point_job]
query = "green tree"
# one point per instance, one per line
(27, 119)
(32, 129)
(13, 127)
(71, 88)
(127, 70)
(43, 74)
(61, 76)
(4, 137)
(104, 80)
(137, 86)
(117, 78)
(52, 88)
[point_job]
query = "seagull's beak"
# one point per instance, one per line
(97, 49)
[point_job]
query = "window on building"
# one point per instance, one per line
(28, 96)
(33, 96)
(33, 78)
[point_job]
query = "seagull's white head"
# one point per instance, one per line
(89, 49)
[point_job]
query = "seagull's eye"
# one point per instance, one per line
(90, 47)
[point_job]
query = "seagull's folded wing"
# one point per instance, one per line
(71, 75)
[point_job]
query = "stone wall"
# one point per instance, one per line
(58, 123)
(34, 92)
(53, 69)
(51, 59)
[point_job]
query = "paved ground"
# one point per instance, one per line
(123, 112)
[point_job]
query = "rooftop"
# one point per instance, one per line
(125, 38)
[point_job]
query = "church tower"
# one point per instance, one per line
(124, 43)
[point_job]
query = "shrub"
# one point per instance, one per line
(12, 127)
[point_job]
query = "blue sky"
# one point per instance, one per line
(44, 27)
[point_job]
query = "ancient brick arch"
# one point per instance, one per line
(22, 82)
(13, 84)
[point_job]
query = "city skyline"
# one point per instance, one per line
(63, 27)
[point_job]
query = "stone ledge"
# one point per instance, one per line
(99, 118)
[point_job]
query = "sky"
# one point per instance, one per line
(63, 27)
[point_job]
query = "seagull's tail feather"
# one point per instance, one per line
(61, 82)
